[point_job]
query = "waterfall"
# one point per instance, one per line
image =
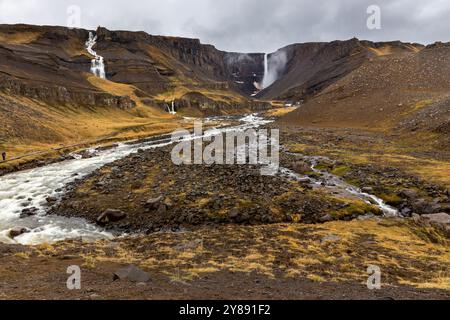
(266, 70)
(267, 80)
(97, 64)
(274, 67)
(171, 109)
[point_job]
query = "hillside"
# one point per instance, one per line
(311, 67)
(49, 98)
(407, 93)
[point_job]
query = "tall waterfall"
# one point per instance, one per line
(97, 64)
(266, 69)
(267, 80)
(274, 65)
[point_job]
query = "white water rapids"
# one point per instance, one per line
(31, 188)
(97, 64)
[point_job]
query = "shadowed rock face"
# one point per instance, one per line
(52, 64)
(149, 62)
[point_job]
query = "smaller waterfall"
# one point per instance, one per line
(97, 64)
(171, 108)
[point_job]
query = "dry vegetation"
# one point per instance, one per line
(406, 253)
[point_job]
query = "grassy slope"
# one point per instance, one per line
(285, 252)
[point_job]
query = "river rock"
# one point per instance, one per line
(368, 190)
(28, 212)
(51, 200)
(301, 167)
(111, 215)
(131, 273)
(13, 233)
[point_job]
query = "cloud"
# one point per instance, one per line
(247, 25)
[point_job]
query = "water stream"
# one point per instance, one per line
(31, 188)
(335, 184)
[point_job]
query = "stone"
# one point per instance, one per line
(301, 167)
(51, 200)
(132, 273)
(326, 218)
(154, 203)
(28, 212)
(437, 220)
(330, 238)
(15, 232)
(367, 190)
(424, 207)
(233, 214)
(408, 193)
(111, 215)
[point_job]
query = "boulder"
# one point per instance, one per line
(422, 206)
(326, 218)
(438, 220)
(368, 190)
(111, 215)
(13, 233)
(154, 203)
(131, 273)
(408, 193)
(301, 167)
(233, 213)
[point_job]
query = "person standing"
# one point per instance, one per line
(4, 156)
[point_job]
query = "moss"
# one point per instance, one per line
(391, 199)
(341, 170)
(356, 208)
(297, 148)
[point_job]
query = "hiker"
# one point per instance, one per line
(4, 156)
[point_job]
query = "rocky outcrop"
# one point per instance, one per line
(54, 94)
(208, 106)
(440, 221)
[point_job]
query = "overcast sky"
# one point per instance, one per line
(247, 25)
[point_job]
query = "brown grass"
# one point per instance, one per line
(19, 38)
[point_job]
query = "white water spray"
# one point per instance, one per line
(97, 64)
(273, 67)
